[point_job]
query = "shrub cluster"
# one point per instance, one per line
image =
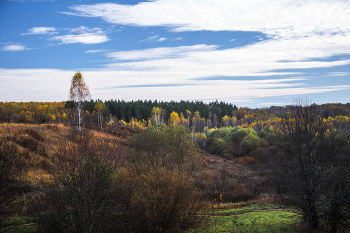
(89, 192)
(12, 168)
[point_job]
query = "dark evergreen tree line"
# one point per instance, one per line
(140, 109)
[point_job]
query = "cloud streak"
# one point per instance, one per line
(83, 35)
(160, 53)
(132, 85)
(96, 51)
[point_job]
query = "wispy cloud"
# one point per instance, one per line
(275, 18)
(41, 30)
(207, 60)
(154, 39)
(96, 51)
(178, 38)
(13, 47)
(159, 53)
(330, 74)
(83, 35)
(32, 85)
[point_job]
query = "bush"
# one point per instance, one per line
(236, 141)
(160, 201)
(34, 134)
(84, 200)
(164, 147)
(11, 169)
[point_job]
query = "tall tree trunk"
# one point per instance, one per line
(79, 116)
(335, 216)
(313, 219)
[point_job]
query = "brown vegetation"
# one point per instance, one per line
(31, 154)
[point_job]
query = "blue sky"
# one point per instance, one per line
(249, 53)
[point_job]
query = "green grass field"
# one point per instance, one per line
(252, 218)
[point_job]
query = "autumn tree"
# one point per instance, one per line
(99, 108)
(164, 147)
(174, 119)
(157, 116)
(79, 93)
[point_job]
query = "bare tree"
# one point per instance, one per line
(336, 188)
(298, 172)
(84, 200)
(307, 160)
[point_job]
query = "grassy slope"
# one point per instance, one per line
(38, 144)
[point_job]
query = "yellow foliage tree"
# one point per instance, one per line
(174, 119)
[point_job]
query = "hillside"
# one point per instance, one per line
(38, 144)
(44, 147)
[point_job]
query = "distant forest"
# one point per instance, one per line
(142, 109)
(191, 113)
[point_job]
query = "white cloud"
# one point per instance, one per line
(154, 39)
(96, 51)
(83, 35)
(159, 53)
(206, 60)
(84, 38)
(14, 47)
(275, 18)
(297, 31)
(300, 34)
(41, 30)
(162, 39)
(33, 85)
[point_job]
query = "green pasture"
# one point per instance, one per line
(252, 218)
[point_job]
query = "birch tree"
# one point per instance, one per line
(157, 116)
(79, 93)
(99, 108)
